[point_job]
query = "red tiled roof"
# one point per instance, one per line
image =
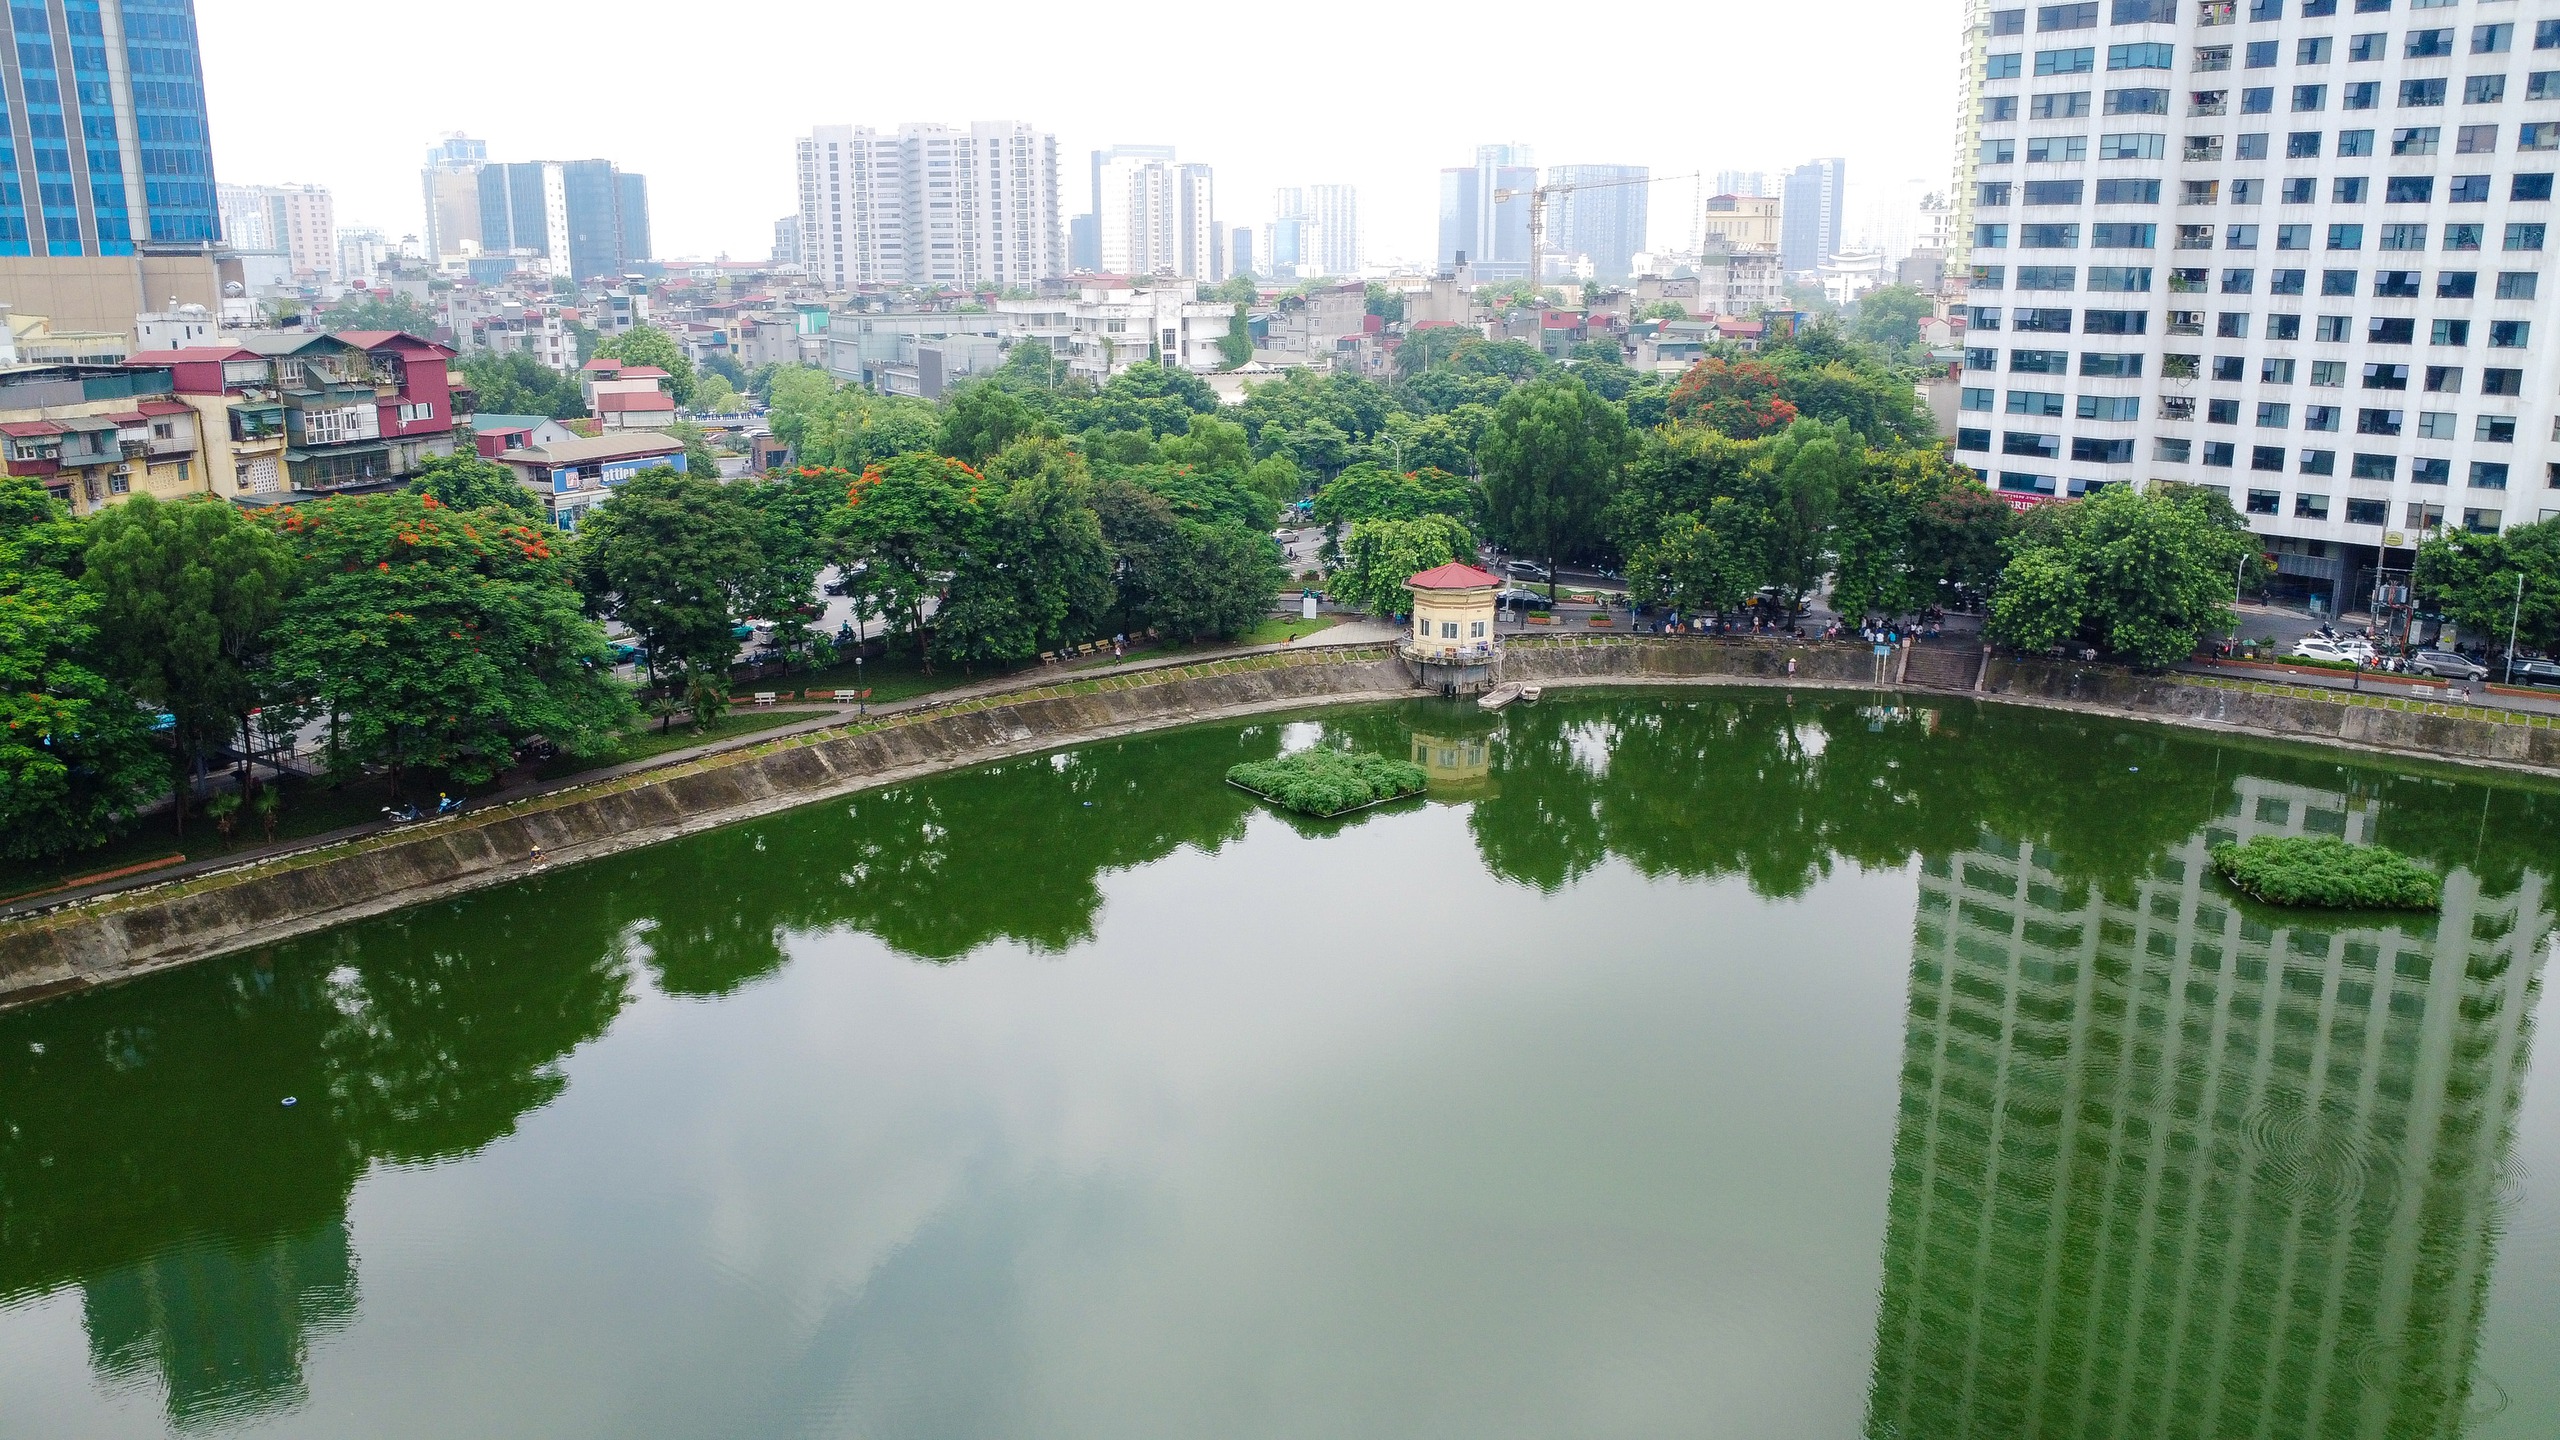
(167, 407)
(1454, 576)
(602, 362)
(644, 372)
(25, 428)
(623, 404)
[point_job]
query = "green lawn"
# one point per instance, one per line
(642, 744)
(310, 807)
(1279, 628)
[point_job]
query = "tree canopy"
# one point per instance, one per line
(2143, 575)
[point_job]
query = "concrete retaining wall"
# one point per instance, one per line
(133, 932)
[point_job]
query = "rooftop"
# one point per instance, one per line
(1454, 576)
(621, 446)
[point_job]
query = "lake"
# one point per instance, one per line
(1713, 1063)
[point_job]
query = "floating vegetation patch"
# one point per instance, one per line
(1325, 782)
(2328, 873)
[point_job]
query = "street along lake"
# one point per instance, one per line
(1686, 1063)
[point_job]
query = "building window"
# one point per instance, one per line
(2488, 475)
(2509, 334)
(2311, 507)
(2517, 284)
(2264, 502)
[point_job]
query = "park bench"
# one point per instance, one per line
(764, 697)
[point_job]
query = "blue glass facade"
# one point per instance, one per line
(106, 144)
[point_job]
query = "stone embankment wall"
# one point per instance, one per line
(133, 932)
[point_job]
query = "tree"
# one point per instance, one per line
(699, 458)
(1551, 461)
(1740, 398)
(1890, 316)
(2141, 574)
(791, 511)
(1386, 302)
(1813, 465)
(75, 754)
(1236, 289)
(982, 418)
(1368, 492)
(464, 481)
(1211, 444)
(1276, 479)
(1032, 573)
(1183, 577)
(518, 384)
(649, 345)
(902, 528)
(186, 595)
(364, 311)
(1701, 563)
(1236, 346)
(1381, 555)
(1663, 310)
(671, 556)
(2473, 579)
(438, 638)
(1960, 536)
(714, 395)
(1428, 345)
(1158, 399)
(847, 427)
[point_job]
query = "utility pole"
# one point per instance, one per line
(2512, 619)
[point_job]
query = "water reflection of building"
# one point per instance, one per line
(2166, 1168)
(1460, 766)
(225, 1330)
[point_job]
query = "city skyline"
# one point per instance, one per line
(717, 187)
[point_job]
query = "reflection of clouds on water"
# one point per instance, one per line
(2277, 1147)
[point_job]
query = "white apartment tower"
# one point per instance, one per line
(2288, 249)
(931, 205)
(299, 220)
(1158, 217)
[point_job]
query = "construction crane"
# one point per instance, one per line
(1537, 199)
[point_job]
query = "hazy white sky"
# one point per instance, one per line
(705, 99)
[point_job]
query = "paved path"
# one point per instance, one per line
(1353, 632)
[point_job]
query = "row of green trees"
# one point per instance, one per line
(426, 634)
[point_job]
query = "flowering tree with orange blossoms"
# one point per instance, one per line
(437, 638)
(1732, 397)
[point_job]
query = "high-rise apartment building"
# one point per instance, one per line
(1814, 208)
(2283, 248)
(2163, 1164)
(122, 80)
(583, 219)
(1744, 182)
(930, 205)
(1240, 260)
(451, 181)
(1156, 217)
(1317, 228)
(298, 221)
(1492, 233)
(1598, 215)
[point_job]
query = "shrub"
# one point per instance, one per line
(1323, 782)
(2326, 872)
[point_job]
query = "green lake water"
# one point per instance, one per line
(1687, 1064)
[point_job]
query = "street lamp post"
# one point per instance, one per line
(2512, 619)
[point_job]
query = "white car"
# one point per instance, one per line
(2313, 647)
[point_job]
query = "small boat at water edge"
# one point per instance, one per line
(1498, 697)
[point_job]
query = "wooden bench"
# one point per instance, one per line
(765, 697)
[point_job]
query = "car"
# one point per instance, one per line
(1527, 570)
(2537, 672)
(1513, 597)
(2447, 665)
(2312, 647)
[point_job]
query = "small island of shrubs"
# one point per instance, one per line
(2328, 873)
(1324, 782)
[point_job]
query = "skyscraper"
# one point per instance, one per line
(1315, 231)
(583, 218)
(451, 181)
(1492, 233)
(1603, 221)
(1156, 217)
(123, 78)
(930, 205)
(1811, 214)
(2312, 236)
(301, 221)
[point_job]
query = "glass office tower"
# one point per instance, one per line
(107, 145)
